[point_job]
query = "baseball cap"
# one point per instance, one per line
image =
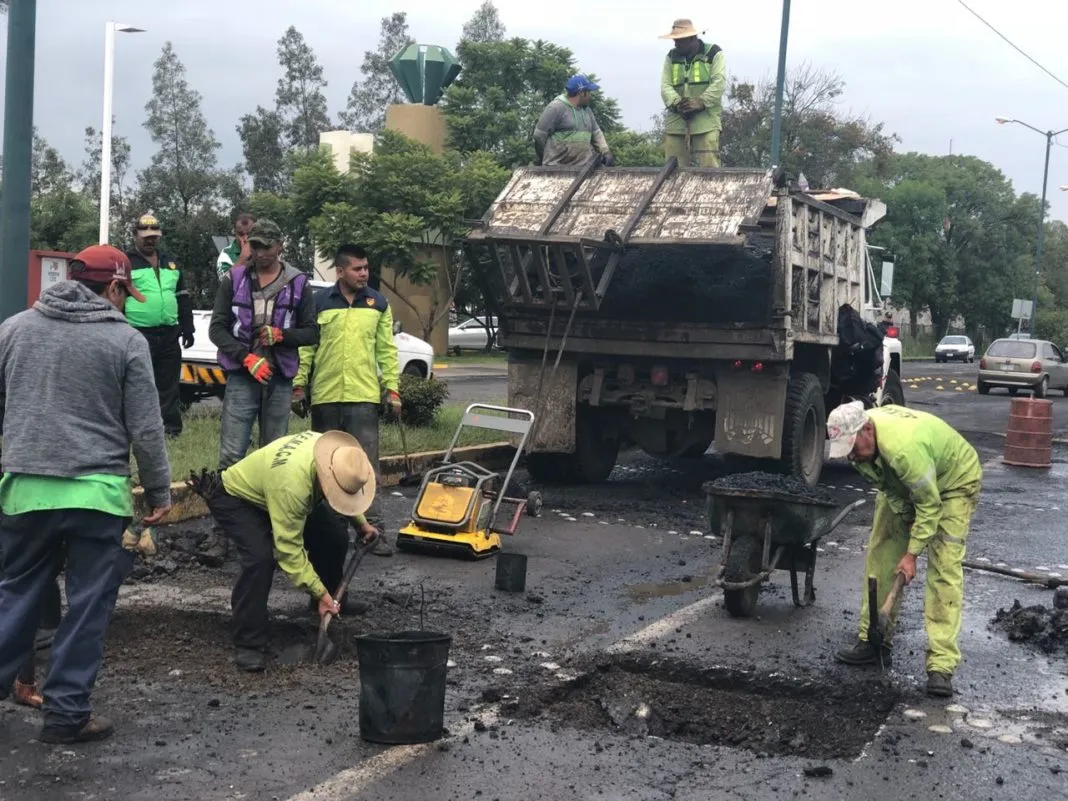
(579, 83)
(843, 424)
(148, 222)
(104, 264)
(266, 232)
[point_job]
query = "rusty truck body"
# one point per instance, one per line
(677, 308)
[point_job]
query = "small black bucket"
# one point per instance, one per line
(511, 572)
(402, 686)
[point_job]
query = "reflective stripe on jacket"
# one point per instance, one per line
(921, 460)
(704, 76)
(355, 340)
(567, 134)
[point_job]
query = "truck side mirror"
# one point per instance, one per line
(398, 326)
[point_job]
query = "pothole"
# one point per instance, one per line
(759, 712)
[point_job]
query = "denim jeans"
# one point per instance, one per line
(361, 421)
(246, 401)
(34, 545)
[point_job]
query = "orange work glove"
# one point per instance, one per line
(270, 335)
(258, 367)
(394, 401)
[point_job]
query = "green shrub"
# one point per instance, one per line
(420, 399)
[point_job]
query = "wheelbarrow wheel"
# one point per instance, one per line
(743, 562)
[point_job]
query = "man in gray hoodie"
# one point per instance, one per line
(76, 392)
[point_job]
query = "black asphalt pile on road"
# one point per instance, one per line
(1038, 625)
(760, 713)
(773, 482)
(690, 283)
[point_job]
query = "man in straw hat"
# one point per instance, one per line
(928, 477)
(289, 501)
(691, 85)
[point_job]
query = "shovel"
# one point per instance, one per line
(1049, 582)
(325, 648)
(879, 617)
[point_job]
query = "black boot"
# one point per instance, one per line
(939, 685)
(863, 653)
(250, 660)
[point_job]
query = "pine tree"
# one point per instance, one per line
(485, 25)
(366, 109)
(299, 97)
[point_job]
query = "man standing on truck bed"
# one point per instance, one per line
(339, 375)
(928, 477)
(76, 393)
(263, 313)
(163, 314)
(691, 85)
(567, 131)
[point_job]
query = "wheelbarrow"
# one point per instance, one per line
(763, 531)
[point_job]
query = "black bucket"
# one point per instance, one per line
(402, 686)
(511, 572)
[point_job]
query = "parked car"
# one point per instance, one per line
(955, 346)
(202, 377)
(1034, 364)
(471, 334)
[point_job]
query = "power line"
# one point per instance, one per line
(976, 14)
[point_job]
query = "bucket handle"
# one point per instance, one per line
(422, 602)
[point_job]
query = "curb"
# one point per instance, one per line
(187, 505)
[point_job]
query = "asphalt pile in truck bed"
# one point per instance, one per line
(758, 481)
(1038, 625)
(690, 283)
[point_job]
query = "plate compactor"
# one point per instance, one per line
(458, 502)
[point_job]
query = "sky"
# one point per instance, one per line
(926, 68)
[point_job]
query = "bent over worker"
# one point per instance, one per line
(289, 501)
(928, 477)
(567, 131)
(691, 85)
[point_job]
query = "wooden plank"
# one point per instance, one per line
(538, 255)
(561, 204)
(521, 273)
(647, 198)
(589, 293)
(563, 275)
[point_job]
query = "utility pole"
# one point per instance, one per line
(780, 85)
(18, 157)
(1041, 233)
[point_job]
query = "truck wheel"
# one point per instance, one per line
(893, 392)
(595, 452)
(804, 429)
(743, 562)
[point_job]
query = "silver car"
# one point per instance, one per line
(1032, 364)
(955, 346)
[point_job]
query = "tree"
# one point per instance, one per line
(48, 170)
(497, 99)
(817, 138)
(266, 157)
(366, 108)
(299, 96)
(485, 25)
(183, 184)
(61, 218)
(89, 177)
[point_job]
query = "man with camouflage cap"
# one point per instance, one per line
(264, 311)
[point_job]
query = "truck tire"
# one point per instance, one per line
(743, 562)
(893, 392)
(804, 429)
(596, 451)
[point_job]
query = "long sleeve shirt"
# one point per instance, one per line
(567, 134)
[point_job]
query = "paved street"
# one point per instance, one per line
(618, 615)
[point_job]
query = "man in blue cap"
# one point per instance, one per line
(567, 132)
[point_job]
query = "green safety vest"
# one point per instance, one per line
(696, 71)
(161, 301)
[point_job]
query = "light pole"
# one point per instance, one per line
(105, 129)
(1041, 211)
(780, 83)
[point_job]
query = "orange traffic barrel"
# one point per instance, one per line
(1029, 439)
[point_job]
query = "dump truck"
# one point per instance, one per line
(676, 308)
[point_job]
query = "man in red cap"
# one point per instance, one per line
(73, 360)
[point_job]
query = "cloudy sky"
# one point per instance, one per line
(927, 68)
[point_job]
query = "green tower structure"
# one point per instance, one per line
(424, 72)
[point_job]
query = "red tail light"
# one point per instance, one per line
(982, 364)
(736, 364)
(659, 376)
(1036, 367)
(892, 331)
(758, 367)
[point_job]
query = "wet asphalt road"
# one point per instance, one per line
(616, 572)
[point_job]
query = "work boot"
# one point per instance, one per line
(214, 550)
(27, 695)
(94, 729)
(250, 660)
(939, 685)
(863, 653)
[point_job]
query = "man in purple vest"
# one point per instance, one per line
(263, 312)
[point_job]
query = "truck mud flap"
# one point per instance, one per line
(552, 399)
(749, 413)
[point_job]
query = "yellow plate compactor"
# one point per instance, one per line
(458, 502)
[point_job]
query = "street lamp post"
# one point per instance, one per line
(780, 84)
(1049, 135)
(105, 129)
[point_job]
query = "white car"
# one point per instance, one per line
(471, 334)
(202, 377)
(955, 347)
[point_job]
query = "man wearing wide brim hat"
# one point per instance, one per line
(290, 502)
(691, 84)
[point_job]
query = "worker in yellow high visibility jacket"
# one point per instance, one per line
(692, 81)
(928, 477)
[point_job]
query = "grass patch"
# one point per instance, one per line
(473, 358)
(198, 447)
